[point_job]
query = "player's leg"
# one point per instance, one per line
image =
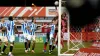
(0, 42)
(51, 42)
(50, 46)
(29, 46)
(57, 43)
(5, 45)
(4, 48)
(0, 45)
(33, 46)
(12, 39)
(34, 42)
(54, 41)
(11, 48)
(25, 41)
(28, 41)
(54, 44)
(61, 41)
(45, 44)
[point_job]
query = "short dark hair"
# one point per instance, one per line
(11, 18)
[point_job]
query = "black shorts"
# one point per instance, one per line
(48, 36)
(56, 31)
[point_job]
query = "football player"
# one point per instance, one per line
(11, 38)
(3, 35)
(25, 28)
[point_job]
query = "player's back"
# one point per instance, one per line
(11, 28)
(24, 25)
(0, 29)
(33, 27)
(52, 29)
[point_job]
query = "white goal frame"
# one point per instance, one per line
(59, 36)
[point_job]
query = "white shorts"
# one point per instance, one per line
(25, 35)
(12, 38)
(3, 39)
(33, 37)
(29, 37)
(51, 36)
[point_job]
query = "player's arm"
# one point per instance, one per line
(4, 29)
(36, 27)
(0, 28)
(43, 26)
(15, 28)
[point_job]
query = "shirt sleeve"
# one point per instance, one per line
(0, 24)
(35, 27)
(6, 25)
(22, 28)
(14, 23)
(22, 23)
(50, 25)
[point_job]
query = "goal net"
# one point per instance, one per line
(78, 37)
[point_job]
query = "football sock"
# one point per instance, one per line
(11, 48)
(33, 46)
(26, 45)
(45, 45)
(50, 47)
(4, 48)
(29, 44)
(0, 48)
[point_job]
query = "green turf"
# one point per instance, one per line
(19, 50)
(64, 49)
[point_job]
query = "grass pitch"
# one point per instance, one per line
(18, 50)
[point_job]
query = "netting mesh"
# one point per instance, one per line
(78, 37)
(75, 33)
(87, 33)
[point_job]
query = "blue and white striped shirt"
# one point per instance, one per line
(4, 25)
(11, 28)
(24, 25)
(33, 28)
(52, 29)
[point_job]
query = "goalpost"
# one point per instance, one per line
(77, 35)
(73, 37)
(69, 35)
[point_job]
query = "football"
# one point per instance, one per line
(56, 3)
